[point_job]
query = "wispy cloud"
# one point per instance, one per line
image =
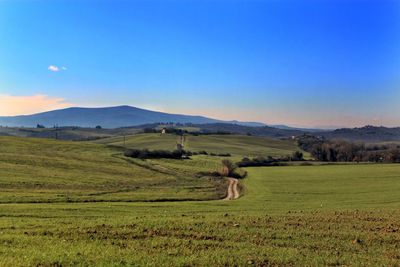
(19, 105)
(55, 68)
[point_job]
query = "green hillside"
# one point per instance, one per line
(240, 145)
(318, 215)
(42, 170)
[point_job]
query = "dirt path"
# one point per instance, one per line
(233, 192)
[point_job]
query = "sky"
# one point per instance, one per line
(308, 63)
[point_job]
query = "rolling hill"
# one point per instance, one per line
(238, 145)
(108, 117)
(68, 203)
(42, 170)
(366, 134)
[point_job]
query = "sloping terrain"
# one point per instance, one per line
(41, 170)
(67, 133)
(365, 134)
(248, 130)
(239, 145)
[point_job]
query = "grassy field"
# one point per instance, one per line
(237, 145)
(345, 215)
(66, 133)
(42, 170)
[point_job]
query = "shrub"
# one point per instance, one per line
(150, 130)
(154, 154)
(212, 174)
(212, 154)
(239, 173)
(297, 156)
(133, 153)
(262, 161)
(228, 167)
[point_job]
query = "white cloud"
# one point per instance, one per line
(55, 68)
(20, 105)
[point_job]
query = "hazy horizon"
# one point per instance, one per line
(300, 63)
(326, 127)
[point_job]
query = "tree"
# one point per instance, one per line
(394, 155)
(297, 156)
(228, 167)
(98, 127)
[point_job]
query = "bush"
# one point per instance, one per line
(297, 156)
(150, 130)
(239, 173)
(212, 154)
(306, 164)
(154, 154)
(132, 153)
(212, 174)
(228, 167)
(262, 161)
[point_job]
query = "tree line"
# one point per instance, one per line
(344, 151)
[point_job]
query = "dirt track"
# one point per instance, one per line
(233, 192)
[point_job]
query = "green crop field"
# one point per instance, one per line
(325, 215)
(41, 170)
(239, 145)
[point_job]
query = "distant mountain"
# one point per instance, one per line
(248, 123)
(108, 117)
(285, 127)
(367, 134)
(127, 116)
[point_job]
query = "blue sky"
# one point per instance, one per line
(304, 63)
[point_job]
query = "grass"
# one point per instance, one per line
(237, 145)
(149, 141)
(41, 170)
(279, 221)
(326, 187)
(66, 133)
